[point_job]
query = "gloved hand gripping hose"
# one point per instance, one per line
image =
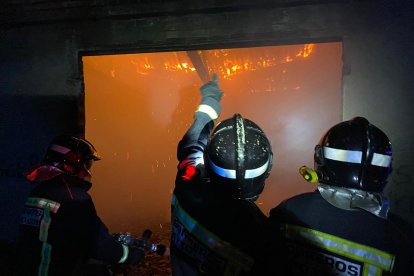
(211, 89)
(143, 242)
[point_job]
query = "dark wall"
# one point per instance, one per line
(41, 82)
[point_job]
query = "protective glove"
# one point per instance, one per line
(135, 255)
(211, 89)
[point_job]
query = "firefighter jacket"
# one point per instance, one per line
(321, 239)
(212, 234)
(60, 230)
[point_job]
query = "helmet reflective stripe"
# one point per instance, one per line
(59, 148)
(208, 110)
(381, 160)
(240, 147)
(373, 259)
(237, 260)
(353, 156)
(227, 173)
(125, 252)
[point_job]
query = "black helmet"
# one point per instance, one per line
(238, 157)
(354, 154)
(71, 154)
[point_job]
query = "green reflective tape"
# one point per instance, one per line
(46, 247)
(45, 259)
(44, 225)
(238, 261)
(370, 270)
(374, 259)
(48, 206)
(43, 203)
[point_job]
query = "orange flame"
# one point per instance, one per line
(220, 61)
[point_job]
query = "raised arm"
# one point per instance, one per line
(191, 147)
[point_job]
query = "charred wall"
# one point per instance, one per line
(41, 80)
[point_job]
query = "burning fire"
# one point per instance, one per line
(226, 62)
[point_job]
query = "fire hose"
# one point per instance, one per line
(143, 242)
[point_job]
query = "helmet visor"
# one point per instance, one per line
(88, 164)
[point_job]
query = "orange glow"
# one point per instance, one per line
(308, 50)
(221, 63)
(138, 106)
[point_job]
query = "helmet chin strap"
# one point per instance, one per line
(353, 199)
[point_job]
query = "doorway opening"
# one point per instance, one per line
(138, 106)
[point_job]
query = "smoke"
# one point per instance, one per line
(138, 107)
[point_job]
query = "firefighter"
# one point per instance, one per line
(60, 231)
(342, 228)
(217, 229)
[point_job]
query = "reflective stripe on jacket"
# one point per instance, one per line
(208, 250)
(337, 255)
(46, 206)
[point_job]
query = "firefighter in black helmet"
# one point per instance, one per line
(59, 227)
(216, 227)
(342, 227)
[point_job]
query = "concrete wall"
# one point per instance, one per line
(41, 82)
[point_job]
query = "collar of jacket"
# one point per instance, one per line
(43, 173)
(353, 199)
